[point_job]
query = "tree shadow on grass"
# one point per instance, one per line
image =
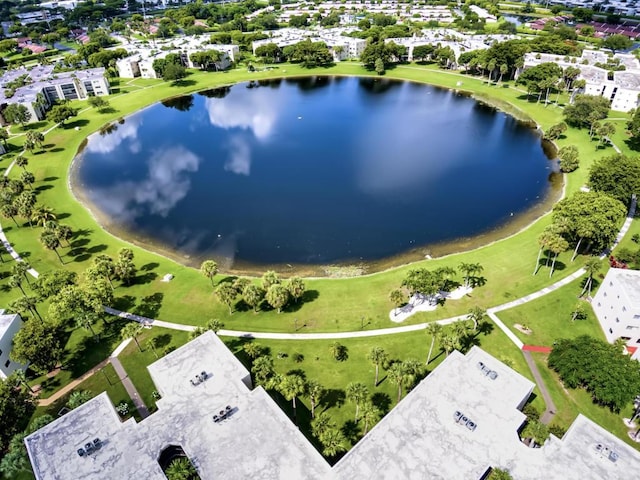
(163, 340)
(351, 431)
(81, 242)
(332, 397)
(97, 248)
(42, 188)
(307, 297)
(80, 122)
(124, 303)
(56, 150)
(150, 305)
(145, 278)
(381, 401)
(62, 216)
(149, 266)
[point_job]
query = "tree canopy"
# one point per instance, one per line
(617, 176)
(585, 110)
(309, 54)
(611, 377)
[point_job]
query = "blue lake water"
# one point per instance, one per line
(312, 171)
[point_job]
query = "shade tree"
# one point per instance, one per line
(37, 344)
(616, 175)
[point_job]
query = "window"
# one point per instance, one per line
(7, 363)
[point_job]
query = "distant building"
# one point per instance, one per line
(43, 87)
(457, 424)
(621, 88)
(617, 306)
(140, 62)
(9, 326)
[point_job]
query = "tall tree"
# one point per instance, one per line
(377, 356)
(277, 296)
(227, 295)
(38, 344)
(132, 330)
(253, 295)
(397, 298)
(209, 269)
(434, 329)
(51, 242)
(369, 414)
(291, 387)
(296, 288)
(315, 391)
(357, 393)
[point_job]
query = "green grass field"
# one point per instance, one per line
(331, 304)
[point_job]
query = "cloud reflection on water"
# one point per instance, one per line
(167, 182)
(126, 131)
(257, 113)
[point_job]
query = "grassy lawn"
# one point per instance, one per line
(570, 402)
(549, 317)
(330, 304)
(105, 380)
(135, 362)
(318, 364)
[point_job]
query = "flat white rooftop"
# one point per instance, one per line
(427, 436)
(6, 320)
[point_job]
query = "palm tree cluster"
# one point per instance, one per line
(123, 268)
(431, 282)
(33, 139)
(271, 289)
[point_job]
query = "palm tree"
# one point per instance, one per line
(397, 298)
(333, 442)
(591, 267)
(181, 469)
(315, 391)
(78, 397)
(227, 295)
(450, 341)
(42, 214)
(21, 378)
(253, 350)
(9, 210)
(152, 343)
(16, 281)
(396, 376)
(357, 392)
(3, 250)
(209, 269)
(25, 304)
(4, 136)
(291, 387)
(262, 369)
(27, 178)
(215, 325)
(51, 242)
(378, 357)
(557, 244)
(64, 232)
(369, 414)
(22, 269)
(253, 296)
(22, 162)
(132, 330)
(435, 330)
(476, 314)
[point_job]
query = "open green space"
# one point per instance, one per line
(331, 304)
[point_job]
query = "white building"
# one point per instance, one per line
(9, 326)
(457, 424)
(617, 306)
(622, 89)
(140, 62)
(44, 87)
(482, 13)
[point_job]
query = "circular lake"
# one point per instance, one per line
(311, 171)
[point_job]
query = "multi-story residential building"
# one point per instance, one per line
(42, 87)
(140, 62)
(9, 326)
(621, 87)
(617, 306)
(461, 421)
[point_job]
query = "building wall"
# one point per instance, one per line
(8, 366)
(618, 317)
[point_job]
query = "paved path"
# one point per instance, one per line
(45, 402)
(130, 388)
(550, 412)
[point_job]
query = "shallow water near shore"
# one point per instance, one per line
(302, 173)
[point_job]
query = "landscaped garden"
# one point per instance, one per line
(329, 304)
